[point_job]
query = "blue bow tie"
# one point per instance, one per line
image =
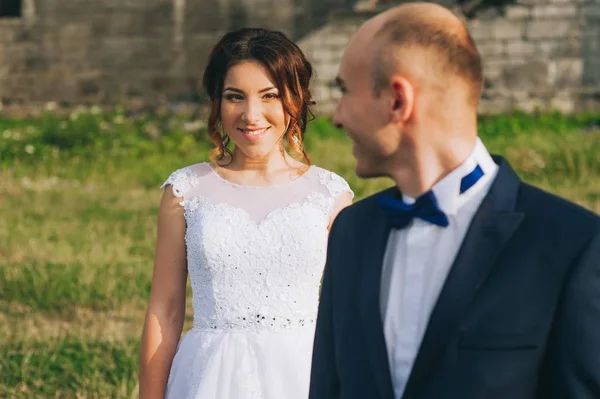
(399, 214)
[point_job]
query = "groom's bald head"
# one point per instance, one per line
(428, 43)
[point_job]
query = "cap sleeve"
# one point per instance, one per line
(181, 181)
(335, 184)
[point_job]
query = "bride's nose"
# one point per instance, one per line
(252, 111)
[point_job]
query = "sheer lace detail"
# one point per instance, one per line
(255, 256)
(181, 181)
(334, 183)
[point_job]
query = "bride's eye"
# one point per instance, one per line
(271, 96)
(233, 97)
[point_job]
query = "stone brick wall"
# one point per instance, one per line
(591, 45)
(324, 48)
(101, 51)
(110, 50)
(537, 54)
(533, 56)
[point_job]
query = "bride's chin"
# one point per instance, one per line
(255, 154)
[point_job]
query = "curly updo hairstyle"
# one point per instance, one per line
(288, 68)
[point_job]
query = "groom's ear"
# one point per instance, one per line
(402, 98)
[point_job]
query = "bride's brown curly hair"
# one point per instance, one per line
(288, 68)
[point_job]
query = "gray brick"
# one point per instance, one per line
(555, 11)
(517, 60)
(519, 95)
(520, 48)
(503, 29)
(493, 73)
(495, 105)
(321, 93)
(565, 73)
(591, 46)
(8, 32)
(591, 74)
(517, 13)
(533, 74)
(559, 48)
(321, 54)
(492, 49)
(4, 72)
(563, 104)
(532, 105)
(338, 40)
(591, 11)
(568, 1)
(551, 29)
(479, 31)
(326, 108)
(327, 72)
(531, 2)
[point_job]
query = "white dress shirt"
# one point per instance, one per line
(417, 261)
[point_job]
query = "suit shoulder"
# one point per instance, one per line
(560, 212)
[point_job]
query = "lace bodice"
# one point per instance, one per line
(255, 254)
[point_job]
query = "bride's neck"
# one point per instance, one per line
(275, 161)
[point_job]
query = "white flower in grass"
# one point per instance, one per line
(96, 110)
(119, 119)
(51, 106)
(152, 130)
(27, 183)
(29, 149)
(104, 126)
(7, 134)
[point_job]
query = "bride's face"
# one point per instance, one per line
(252, 113)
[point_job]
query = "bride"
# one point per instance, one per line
(251, 228)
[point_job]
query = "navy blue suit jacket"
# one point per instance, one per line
(517, 318)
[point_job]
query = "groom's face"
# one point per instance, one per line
(362, 115)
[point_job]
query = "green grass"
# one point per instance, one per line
(62, 287)
(78, 202)
(69, 368)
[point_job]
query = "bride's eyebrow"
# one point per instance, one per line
(236, 90)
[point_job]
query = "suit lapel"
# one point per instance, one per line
(375, 235)
(491, 228)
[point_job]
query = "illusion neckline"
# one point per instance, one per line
(279, 185)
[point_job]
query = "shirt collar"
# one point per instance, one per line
(447, 190)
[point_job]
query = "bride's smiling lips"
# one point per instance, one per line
(254, 134)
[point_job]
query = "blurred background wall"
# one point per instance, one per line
(538, 54)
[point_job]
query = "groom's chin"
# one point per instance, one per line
(365, 172)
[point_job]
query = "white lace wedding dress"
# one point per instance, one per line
(255, 259)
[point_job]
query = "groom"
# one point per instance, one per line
(463, 281)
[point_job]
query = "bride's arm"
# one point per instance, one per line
(343, 200)
(166, 308)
